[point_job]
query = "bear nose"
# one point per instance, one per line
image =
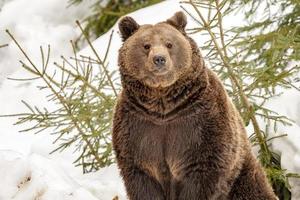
(159, 60)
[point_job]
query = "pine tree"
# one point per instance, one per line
(85, 93)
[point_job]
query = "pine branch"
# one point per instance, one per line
(3, 45)
(101, 62)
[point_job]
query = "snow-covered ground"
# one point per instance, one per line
(35, 23)
(27, 170)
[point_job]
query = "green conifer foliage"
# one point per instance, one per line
(104, 14)
(84, 94)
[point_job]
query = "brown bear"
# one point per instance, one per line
(176, 133)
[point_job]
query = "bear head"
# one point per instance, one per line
(155, 55)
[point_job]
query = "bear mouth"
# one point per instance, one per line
(160, 72)
(160, 79)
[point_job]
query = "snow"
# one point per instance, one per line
(37, 177)
(27, 170)
(288, 104)
(41, 23)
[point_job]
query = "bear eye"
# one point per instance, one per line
(147, 46)
(169, 45)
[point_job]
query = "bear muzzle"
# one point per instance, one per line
(159, 61)
(159, 65)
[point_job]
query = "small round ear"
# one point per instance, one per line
(178, 20)
(127, 27)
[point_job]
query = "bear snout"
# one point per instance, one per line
(159, 64)
(159, 61)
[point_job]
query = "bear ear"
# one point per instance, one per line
(127, 27)
(178, 20)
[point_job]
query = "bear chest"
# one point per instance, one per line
(161, 149)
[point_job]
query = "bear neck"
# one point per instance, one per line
(164, 104)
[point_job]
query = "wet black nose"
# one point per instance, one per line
(159, 60)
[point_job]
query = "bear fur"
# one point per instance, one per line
(176, 133)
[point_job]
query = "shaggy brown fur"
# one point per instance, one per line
(176, 133)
